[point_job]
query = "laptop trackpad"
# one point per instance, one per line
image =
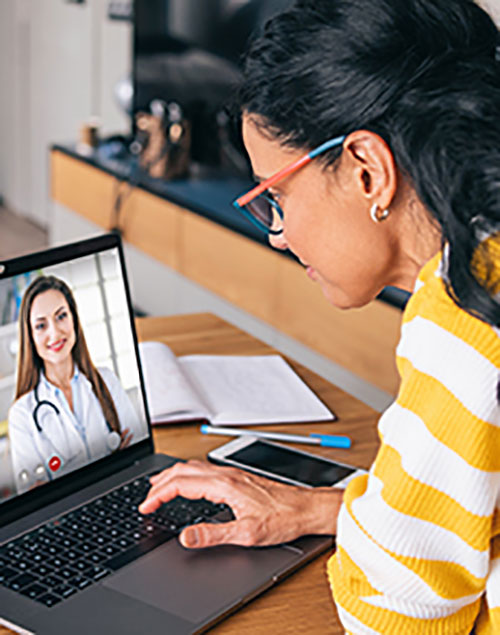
(197, 584)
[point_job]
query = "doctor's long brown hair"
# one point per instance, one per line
(30, 364)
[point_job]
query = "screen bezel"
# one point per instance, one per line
(222, 456)
(22, 504)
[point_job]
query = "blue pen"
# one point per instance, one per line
(325, 440)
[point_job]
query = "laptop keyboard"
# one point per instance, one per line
(85, 545)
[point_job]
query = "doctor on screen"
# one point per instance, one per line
(67, 413)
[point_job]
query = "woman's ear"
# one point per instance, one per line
(373, 165)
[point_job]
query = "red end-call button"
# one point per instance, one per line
(54, 463)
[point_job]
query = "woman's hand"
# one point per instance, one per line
(126, 438)
(267, 512)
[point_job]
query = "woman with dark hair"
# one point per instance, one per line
(67, 412)
(374, 126)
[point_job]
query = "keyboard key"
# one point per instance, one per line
(128, 525)
(81, 565)
(6, 573)
(80, 582)
(111, 550)
(137, 535)
(97, 557)
(75, 526)
(87, 547)
(124, 543)
(34, 590)
(101, 540)
(22, 565)
(16, 584)
(97, 573)
(58, 562)
(73, 554)
(64, 590)
(45, 540)
(109, 521)
(42, 570)
(96, 528)
(52, 580)
(49, 599)
(54, 550)
(67, 573)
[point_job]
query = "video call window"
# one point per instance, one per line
(57, 440)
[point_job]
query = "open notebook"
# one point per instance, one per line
(226, 389)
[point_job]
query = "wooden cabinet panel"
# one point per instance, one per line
(152, 225)
(230, 265)
(148, 222)
(83, 189)
(362, 340)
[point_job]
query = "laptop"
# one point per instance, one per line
(75, 554)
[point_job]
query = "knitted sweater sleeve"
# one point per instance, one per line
(415, 536)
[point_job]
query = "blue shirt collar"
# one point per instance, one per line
(54, 389)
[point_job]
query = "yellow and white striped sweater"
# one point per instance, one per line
(418, 540)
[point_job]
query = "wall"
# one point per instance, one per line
(59, 62)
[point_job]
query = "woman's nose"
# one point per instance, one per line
(53, 330)
(278, 241)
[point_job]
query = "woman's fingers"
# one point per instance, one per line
(186, 485)
(191, 468)
(236, 532)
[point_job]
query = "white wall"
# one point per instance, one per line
(58, 66)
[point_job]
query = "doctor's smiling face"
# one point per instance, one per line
(52, 327)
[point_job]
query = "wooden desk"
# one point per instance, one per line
(302, 603)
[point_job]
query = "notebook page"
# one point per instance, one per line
(169, 393)
(252, 389)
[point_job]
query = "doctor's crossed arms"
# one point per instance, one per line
(67, 413)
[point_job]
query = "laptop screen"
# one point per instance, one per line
(70, 389)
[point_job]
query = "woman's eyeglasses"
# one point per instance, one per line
(259, 205)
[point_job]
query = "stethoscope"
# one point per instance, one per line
(113, 441)
(55, 460)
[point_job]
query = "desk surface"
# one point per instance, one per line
(302, 603)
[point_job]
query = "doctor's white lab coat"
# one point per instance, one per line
(71, 439)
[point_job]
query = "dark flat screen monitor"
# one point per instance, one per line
(190, 52)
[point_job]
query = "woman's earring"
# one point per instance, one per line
(375, 216)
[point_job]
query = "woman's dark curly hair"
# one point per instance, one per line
(423, 75)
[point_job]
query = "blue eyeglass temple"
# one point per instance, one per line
(328, 145)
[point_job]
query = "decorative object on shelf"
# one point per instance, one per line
(166, 140)
(89, 137)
